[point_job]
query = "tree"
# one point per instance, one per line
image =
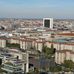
(13, 45)
(48, 51)
(55, 69)
(36, 71)
(69, 64)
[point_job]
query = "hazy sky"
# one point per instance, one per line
(37, 8)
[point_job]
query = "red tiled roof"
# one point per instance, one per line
(66, 34)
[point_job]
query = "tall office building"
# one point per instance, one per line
(48, 22)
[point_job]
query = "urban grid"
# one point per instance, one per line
(43, 45)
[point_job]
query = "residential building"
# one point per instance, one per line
(2, 42)
(14, 66)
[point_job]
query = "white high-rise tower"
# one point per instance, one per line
(48, 22)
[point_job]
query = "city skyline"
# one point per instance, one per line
(36, 8)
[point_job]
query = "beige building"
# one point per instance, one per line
(2, 42)
(25, 44)
(62, 55)
(31, 43)
(14, 40)
(64, 51)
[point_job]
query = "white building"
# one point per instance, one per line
(48, 22)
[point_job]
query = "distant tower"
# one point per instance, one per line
(48, 22)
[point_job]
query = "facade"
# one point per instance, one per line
(14, 40)
(2, 42)
(62, 55)
(48, 22)
(25, 44)
(31, 43)
(13, 67)
(64, 51)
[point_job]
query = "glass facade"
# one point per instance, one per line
(47, 23)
